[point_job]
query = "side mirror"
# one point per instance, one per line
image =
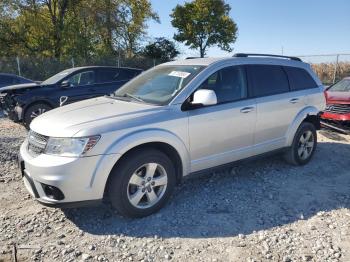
(65, 84)
(205, 97)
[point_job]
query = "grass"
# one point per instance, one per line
(325, 71)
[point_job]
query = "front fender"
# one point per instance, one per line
(307, 111)
(129, 141)
(140, 137)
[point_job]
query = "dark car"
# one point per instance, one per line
(22, 103)
(10, 79)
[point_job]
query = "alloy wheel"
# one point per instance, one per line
(147, 185)
(37, 112)
(306, 145)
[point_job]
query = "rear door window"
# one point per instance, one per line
(125, 74)
(299, 79)
(267, 80)
(107, 75)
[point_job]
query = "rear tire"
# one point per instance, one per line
(141, 183)
(303, 146)
(33, 111)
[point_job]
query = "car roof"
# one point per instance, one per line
(104, 67)
(240, 60)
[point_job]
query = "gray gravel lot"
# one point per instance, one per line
(263, 210)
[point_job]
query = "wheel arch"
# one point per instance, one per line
(165, 148)
(32, 103)
(309, 114)
(162, 140)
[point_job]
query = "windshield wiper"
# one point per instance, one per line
(133, 97)
(113, 96)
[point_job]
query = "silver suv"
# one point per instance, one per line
(186, 116)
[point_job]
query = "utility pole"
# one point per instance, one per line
(18, 66)
(335, 69)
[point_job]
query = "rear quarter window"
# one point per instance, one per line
(299, 79)
(267, 80)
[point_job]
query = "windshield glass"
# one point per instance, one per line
(160, 84)
(55, 78)
(341, 86)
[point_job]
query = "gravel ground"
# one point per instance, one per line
(264, 210)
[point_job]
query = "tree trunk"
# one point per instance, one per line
(202, 51)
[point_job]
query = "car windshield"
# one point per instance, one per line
(341, 86)
(160, 84)
(56, 78)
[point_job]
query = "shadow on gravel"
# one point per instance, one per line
(250, 197)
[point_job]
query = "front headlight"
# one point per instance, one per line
(70, 147)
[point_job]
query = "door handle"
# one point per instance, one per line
(294, 100)
(248, 109)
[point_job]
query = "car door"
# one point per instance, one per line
(223, 133)
(79, 86)
(276, 106)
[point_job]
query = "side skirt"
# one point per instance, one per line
(231, 164)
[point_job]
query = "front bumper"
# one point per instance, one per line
(7, 105)
(335, 117)
(14, 113)
(81, 181)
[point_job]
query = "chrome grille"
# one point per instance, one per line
(338, 108)
(36, 143)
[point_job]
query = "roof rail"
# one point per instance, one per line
(192, 57)
(267, 55)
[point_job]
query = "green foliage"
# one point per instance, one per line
(204, 23)
(161, 49)
(73, 28)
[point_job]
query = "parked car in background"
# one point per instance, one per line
(337, 112)
(10, 79)
(177, 118)
(22, 103)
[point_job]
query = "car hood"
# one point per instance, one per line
(17, 87)
(93, 116)
(338, 97)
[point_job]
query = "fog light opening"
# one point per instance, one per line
(53, 192)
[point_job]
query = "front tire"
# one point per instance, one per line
(303, 146)
(141, 183)
(34, 111)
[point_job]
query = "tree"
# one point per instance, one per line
(132, 23)
(63, 29)
(204, 23)
(161, 49)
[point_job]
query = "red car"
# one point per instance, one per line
(337, 112)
